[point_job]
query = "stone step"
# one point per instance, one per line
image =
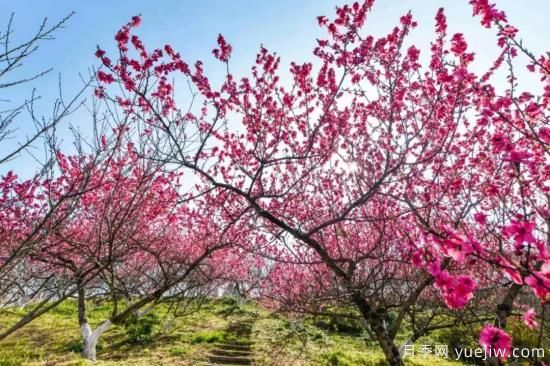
(231, 346)
(243, 322)
(230, 360)
(240, 327)
(229, 352)
(239, 331)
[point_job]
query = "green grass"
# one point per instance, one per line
(54, 339)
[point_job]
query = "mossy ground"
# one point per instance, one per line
(53, 339)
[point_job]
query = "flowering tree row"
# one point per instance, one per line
(371, 178)
(100, 222)
(366, 178)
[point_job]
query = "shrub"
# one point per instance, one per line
(457, 337)
(139, 329)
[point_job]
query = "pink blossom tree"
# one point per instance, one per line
(132, 242)
(371, 171)
(31, 207)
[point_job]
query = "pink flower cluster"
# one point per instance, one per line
(495, 341)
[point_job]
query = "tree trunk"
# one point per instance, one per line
(43, 307)
(386, 343)
(378, 327)
(89, 337)
(503, 311)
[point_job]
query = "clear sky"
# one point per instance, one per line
(285, 26)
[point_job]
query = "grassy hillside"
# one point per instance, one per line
(220, 328)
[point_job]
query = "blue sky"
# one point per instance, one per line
(285, 26)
